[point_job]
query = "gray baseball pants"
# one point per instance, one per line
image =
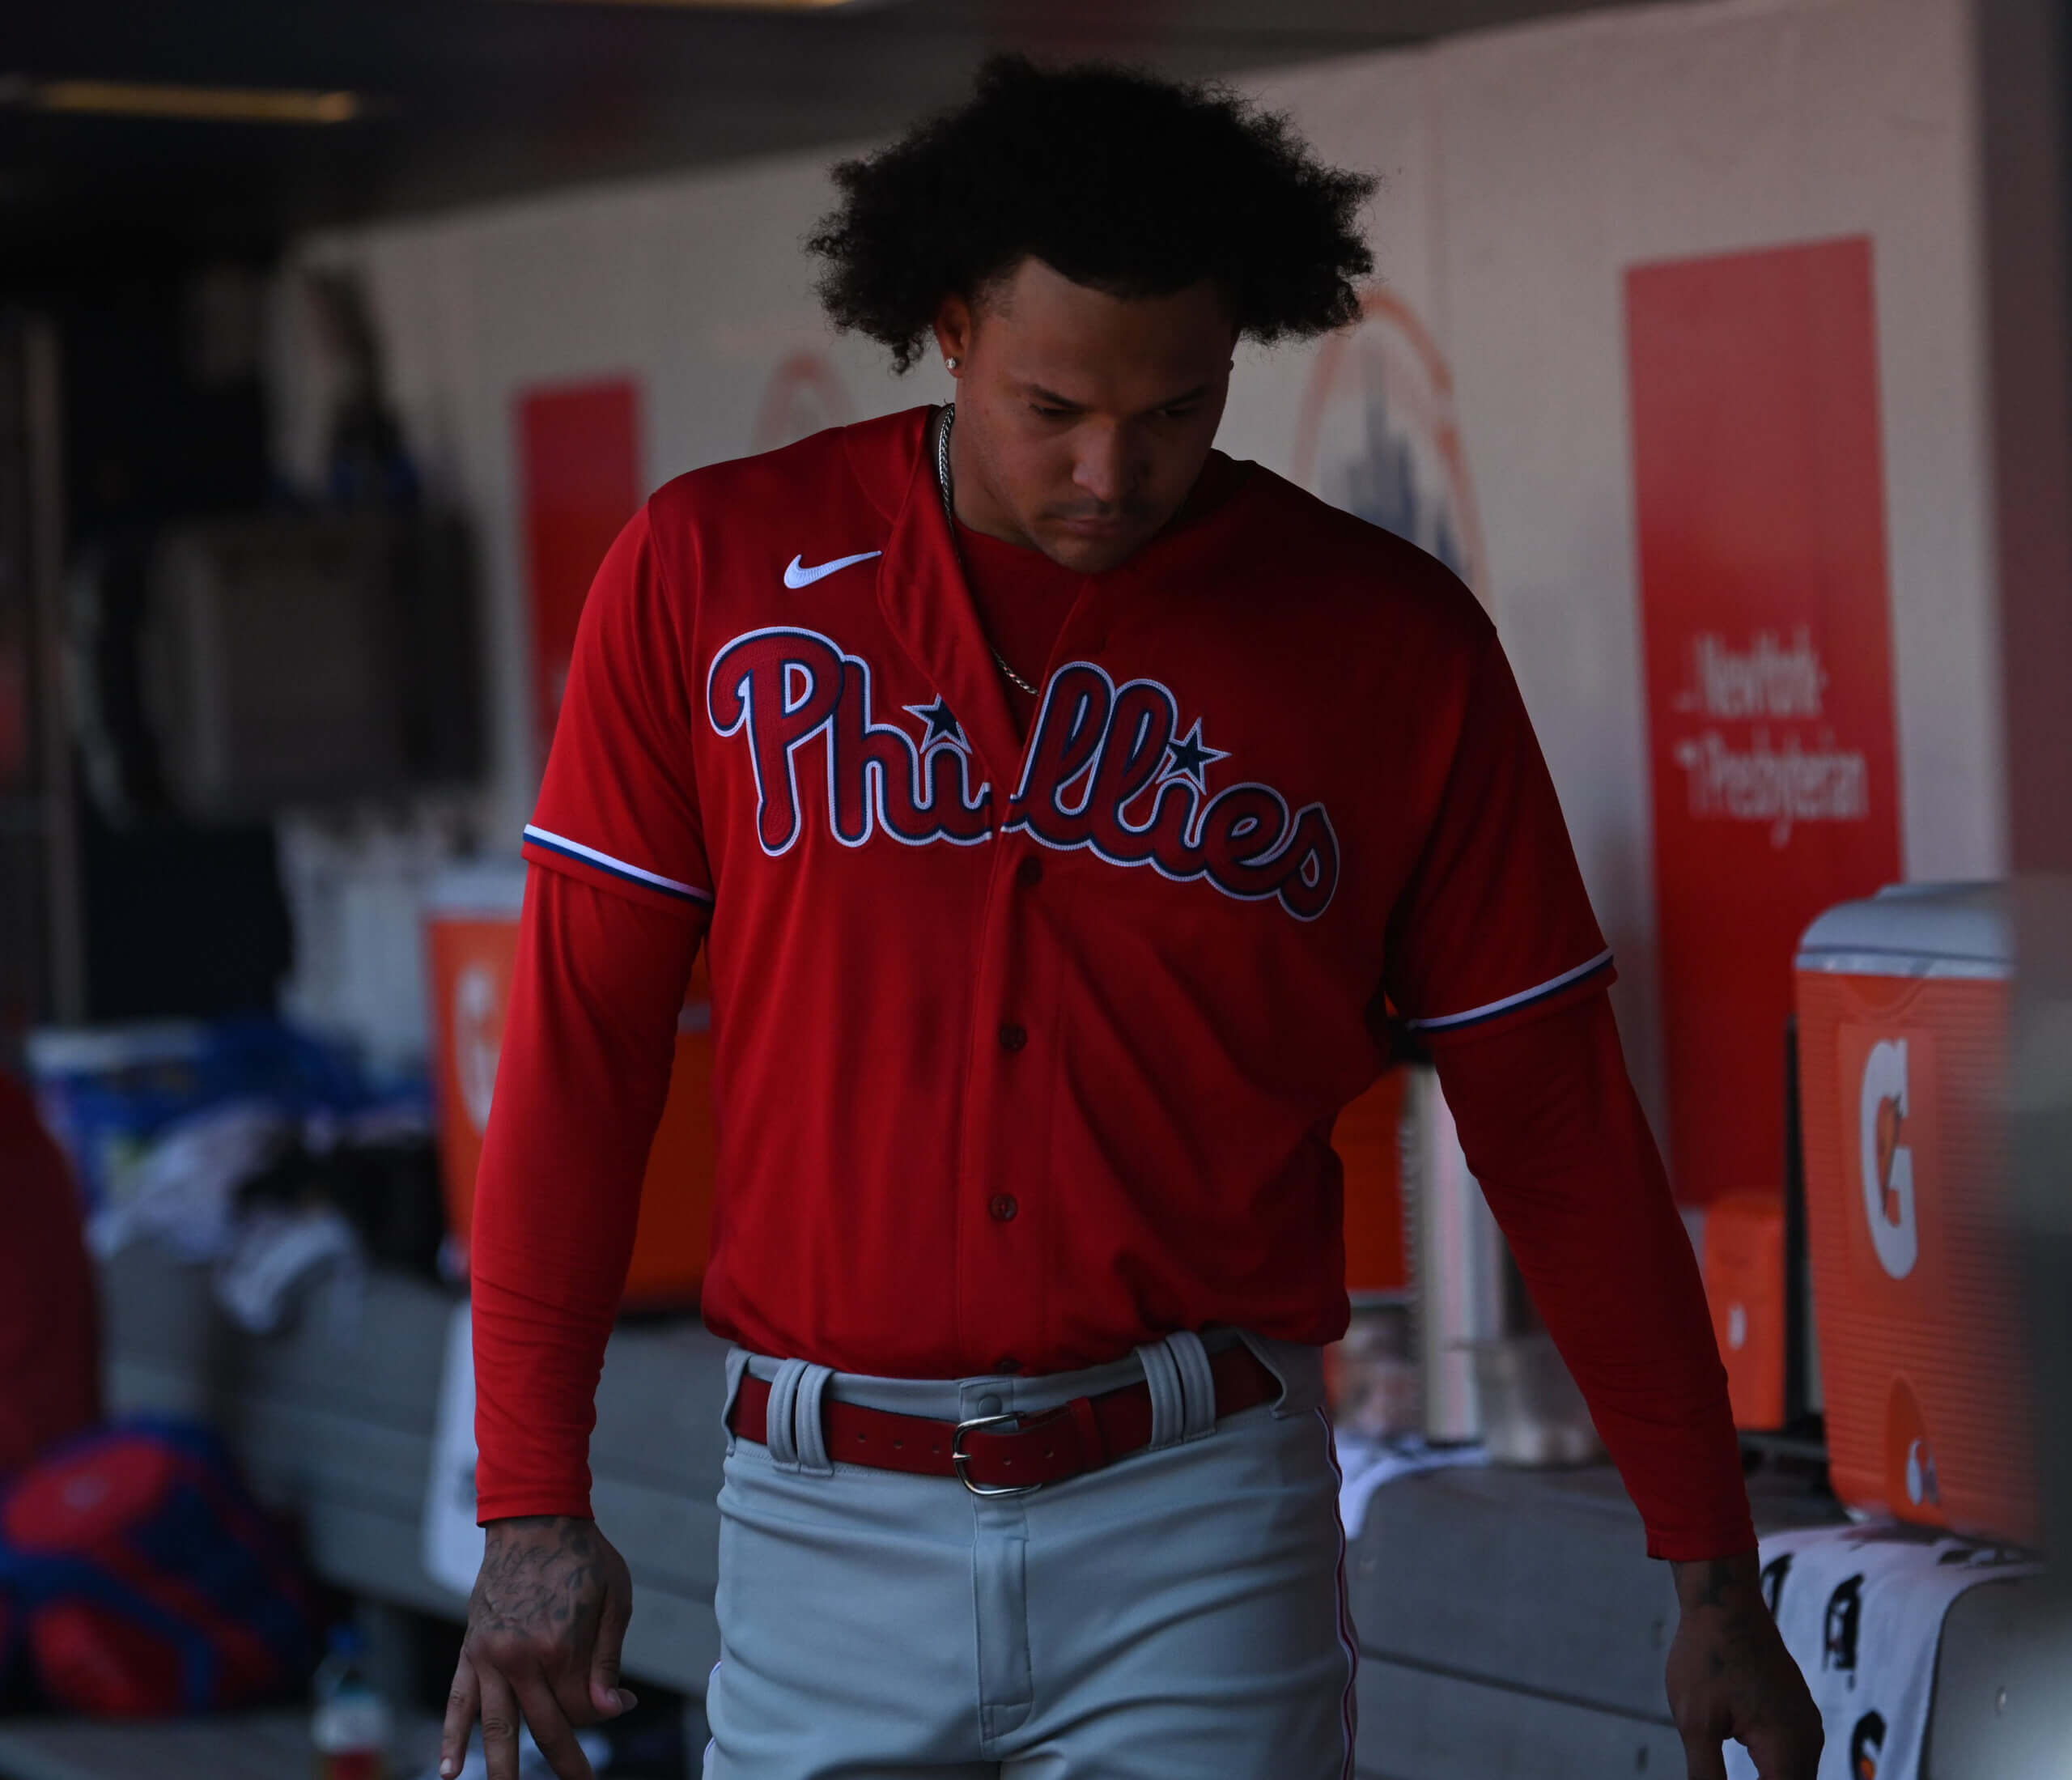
(1178, 1615)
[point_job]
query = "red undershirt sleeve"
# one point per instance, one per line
(588, 1041)
(1553, 1130)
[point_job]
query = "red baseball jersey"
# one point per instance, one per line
(1030, 1051)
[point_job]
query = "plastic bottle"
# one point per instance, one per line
(350, 1728)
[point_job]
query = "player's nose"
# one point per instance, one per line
(1101, 464)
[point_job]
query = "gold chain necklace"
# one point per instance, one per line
(949, 513)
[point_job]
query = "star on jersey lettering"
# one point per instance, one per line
(943, 725)
(1190, 758)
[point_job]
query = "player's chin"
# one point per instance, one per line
(1092, 546)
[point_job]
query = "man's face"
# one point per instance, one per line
(1083, 419)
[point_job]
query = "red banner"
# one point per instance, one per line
(579, 450)
(1760, 501)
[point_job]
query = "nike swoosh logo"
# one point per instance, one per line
(798, 576)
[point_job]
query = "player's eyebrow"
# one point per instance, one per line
(1051, 399)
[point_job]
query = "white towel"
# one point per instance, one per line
(1861, 1608)
(1365, 1465)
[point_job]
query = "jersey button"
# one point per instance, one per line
(1003, 1207)
(1029, 874)
(1007, 1363)
(1012, 1037)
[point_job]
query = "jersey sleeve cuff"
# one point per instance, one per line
(1592, 977)
(526, 1504)
(626, 877)
(1684, 1545)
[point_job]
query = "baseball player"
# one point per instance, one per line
(1064, 807)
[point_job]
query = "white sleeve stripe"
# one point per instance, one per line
(561, 843)
(1490, 1009)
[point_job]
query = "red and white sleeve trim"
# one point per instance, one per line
(618, 868)
(1510, 1004)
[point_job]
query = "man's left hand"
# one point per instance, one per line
(1730, 1675)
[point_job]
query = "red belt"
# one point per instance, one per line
(1006, 1455)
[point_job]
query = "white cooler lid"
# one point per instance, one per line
(1915, 930)
(482, 890)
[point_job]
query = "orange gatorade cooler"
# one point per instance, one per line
(471, 941)
(1744, 1277)
(1371, 1374)
(1902, 1018)
(1368, 1139)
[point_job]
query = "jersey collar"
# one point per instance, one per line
(923, 597)
(922, 594)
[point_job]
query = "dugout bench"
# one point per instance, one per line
(1510, 1627)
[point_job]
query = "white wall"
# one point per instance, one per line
(1523, 171)
(1565, 157)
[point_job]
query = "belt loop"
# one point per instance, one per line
(736, 1370)
(1197, 1384)
(810, 1422)
(1299, 1368)
(1161, 1375)
(784, 1394)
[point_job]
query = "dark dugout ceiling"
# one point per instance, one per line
(139, 130)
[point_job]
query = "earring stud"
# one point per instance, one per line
(950, 365)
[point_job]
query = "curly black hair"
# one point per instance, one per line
(1119, 180)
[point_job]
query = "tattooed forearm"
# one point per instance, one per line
(1719, 1583)
(1730, 1675)
(539, 1571)
(545, 1628)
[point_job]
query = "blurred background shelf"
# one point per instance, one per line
(1510, 1626)
(334, 1421)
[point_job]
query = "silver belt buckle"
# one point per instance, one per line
(959, 1458)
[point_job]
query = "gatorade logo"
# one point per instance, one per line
(1774, 1573)
(1886, 1157)
(1866, 1743)
(1841, 1626)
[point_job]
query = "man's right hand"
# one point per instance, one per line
(544, 1627)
